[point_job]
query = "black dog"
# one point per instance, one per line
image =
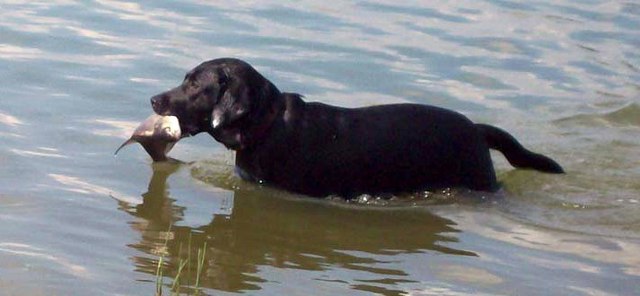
(318, 149)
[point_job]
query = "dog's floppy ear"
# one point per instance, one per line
(224, 76)
(233, 99)
(243, 90)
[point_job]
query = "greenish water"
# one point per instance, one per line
(76, 78)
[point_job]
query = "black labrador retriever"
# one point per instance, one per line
(319, 150)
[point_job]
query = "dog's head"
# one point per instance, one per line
(226, 97)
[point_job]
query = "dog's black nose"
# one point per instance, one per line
(157, 103)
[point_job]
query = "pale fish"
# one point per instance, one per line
(157, 134)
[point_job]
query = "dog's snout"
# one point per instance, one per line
(155, 100)
(158, 103)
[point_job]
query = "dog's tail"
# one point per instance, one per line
(517, 155)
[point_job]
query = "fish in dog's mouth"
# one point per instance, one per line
(187, 129)
(157, 134)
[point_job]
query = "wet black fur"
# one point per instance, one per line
(318, 149)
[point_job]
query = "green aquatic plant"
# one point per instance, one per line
(159, 268)
(182, 264)
(201, 255)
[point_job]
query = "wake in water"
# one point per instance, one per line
(221, 173)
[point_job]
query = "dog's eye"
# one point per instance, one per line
(194, 84)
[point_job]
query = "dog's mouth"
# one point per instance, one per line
(187, 129)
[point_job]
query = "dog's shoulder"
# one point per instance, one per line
(293, 106)
(293, 99)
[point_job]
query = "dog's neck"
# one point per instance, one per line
(260, 131)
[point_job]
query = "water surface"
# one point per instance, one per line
(76, 78)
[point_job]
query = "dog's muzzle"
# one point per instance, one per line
(159, 104)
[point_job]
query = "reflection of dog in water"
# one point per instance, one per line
(318, 149)
(274, 231)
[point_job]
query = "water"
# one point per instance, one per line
(75, 78)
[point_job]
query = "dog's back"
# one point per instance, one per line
(322, 149)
